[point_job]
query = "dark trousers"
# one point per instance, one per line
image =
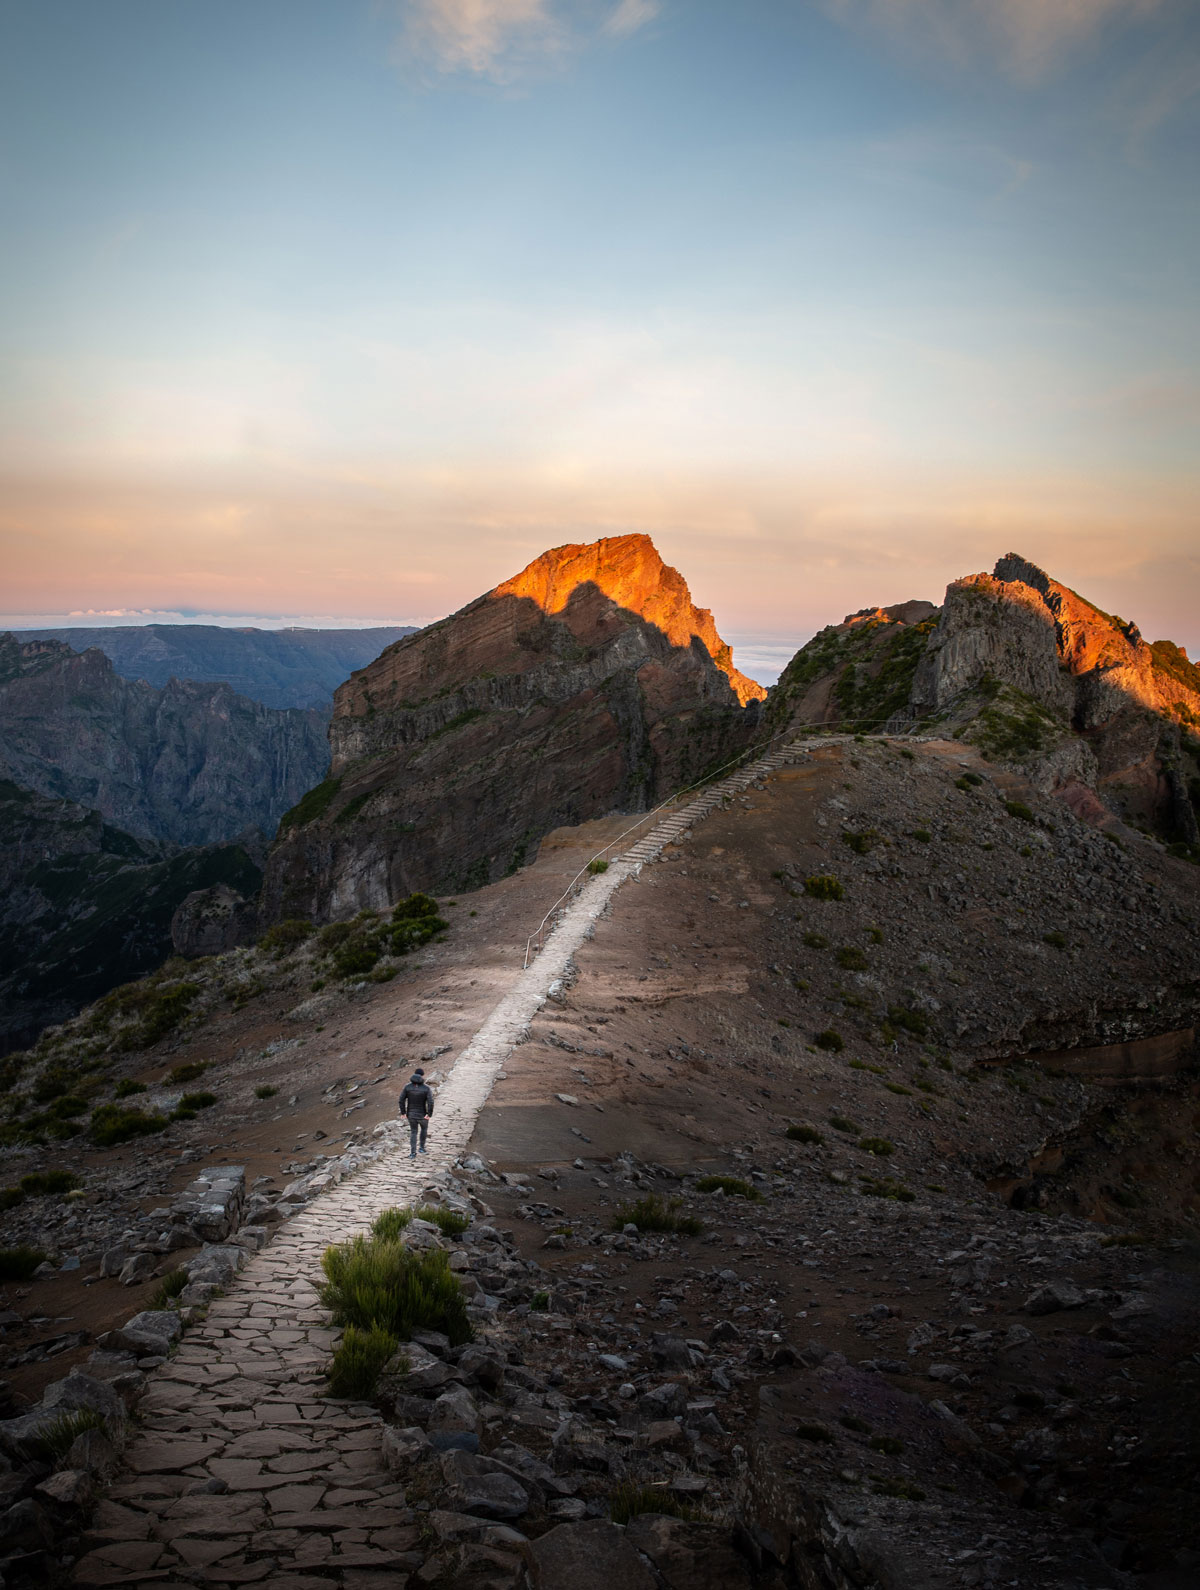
(417, 1123)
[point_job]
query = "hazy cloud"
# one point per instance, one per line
(1027, 38)
(502, 40)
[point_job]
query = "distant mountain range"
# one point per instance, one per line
(279, 667)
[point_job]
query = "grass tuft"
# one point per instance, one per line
(448, 1221)
(18, 1264)
(630, 1499)
(731, 1186)
(44, 1183)
(169, 1288)
(56, 1439)
(110, 1124)
(804, 1134)
(653, 1213)
(829, 1038)
(358, 1361)
(265, 1091)
(824, 887)
(879, 1146)
(389, 1223)
(843, 1123)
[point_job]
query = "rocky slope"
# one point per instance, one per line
(277, 667)
(84, 906)
(191, 764)
(1031, 673)
(588, 683)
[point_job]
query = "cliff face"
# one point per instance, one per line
(190, 764)
(84, 906)
(588, 683)
(279, 667)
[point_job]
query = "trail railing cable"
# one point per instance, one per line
(752, 752)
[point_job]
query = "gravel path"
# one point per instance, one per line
(243, 1472)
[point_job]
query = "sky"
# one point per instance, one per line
(336, 313)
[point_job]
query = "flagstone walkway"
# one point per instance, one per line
(241, 1470)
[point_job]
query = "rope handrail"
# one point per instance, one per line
(762, 748)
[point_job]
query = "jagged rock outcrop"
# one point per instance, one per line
(279, 667)
(191, 764)
(213, 920)
(84, 907)
(1075, 693)
(588, 683)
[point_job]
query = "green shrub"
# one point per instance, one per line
(731, 1186)
(1019, 810)
(188, 1072)
(813, 1432)
(653, 1213)
(597, 865)
(110, 1124)
(851, 958)
(824, 887)
(168, 1288)
(264, 1090)
(885, 1187)
(54, 1440)
(42, 1183)
(903, 1018)
(539, 1303)
(1056, 940)
(879, 1146)
(332, 935)
(286, 935)
(875, 934)
(162, 1008)
(889, 1445)
(389, 1223)
(804, 1134)
(921, 835)
(197, 1101)
(816, 941)
(448, 1221)
(843, 1123)
(358, 1361)
(18, 1264)
(631, 1498)
(127, 1087)
(311, 806)
(967, 781)
(897, 1087)
(861, 843)
(378, 1282)
(829, 1039)
(11, 1197)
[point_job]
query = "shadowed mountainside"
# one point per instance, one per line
(191, 764)
(588, 683)
(278, 667)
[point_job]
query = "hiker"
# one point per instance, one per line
(416, 1102)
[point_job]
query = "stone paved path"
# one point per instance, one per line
(243, 1472)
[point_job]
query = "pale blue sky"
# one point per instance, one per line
(355, 307)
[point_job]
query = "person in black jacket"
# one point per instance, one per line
(416, 1103)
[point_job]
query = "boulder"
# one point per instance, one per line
(455, 1410)
(404, 1448)
(152, 1331)
(79, 1390)
(1052, 1296)
(67, 1489)
(593, 1555)
(212, 921)
(137, 1268)
(690, 1556)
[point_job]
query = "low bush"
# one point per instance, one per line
(448, 1221)
(54, 1440)
(843, 1123)
(110, 1124)
(816, 941)
(630, 1499)
(653, 1213)
(11, 1198)
(376, 1282)
(539, 1303)
(1056, 940)
(804, 1134)
(877, 1145)
(286, 935)
(188, 1072)
(885, 1187)
(889, 1445)
(169, 1288)
(824, 887)
(597, 865)
(42, 1183)
(1019, 810)
(898, 1087)
(127, 1087)
(921, 835)
(264, 1090)
(389, 1223)
(358, 1361)
(903, 1018)
(19, 1263)
(197, 1101)
(829, 1039)
(731, 1186)
(813, 1432)
(851, 958)
(861, 843)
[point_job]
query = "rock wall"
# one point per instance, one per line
(587, 684)
(191, 764)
